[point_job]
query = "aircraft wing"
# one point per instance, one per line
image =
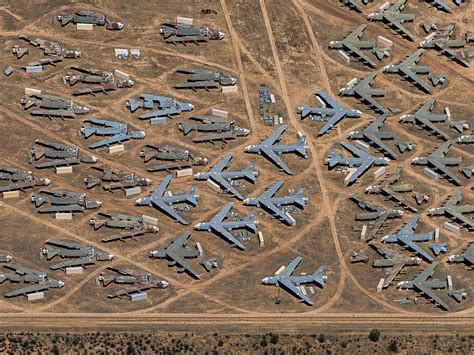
(276, 160)
(161, 189)
(412, 59)
(358, 53)
(394, 271)
(455, 198)
(277, 212)
(426, 273)
(366, 81)
(441, 168)
(410, 226)
(398, 26)
(222, 164)
(163, 207)
(396, 7)
(441, 151)
(272, 190)
(356, 34)
(380, 145)
(329, 100)
(379, 222)
(228, 237)
(26, 290)
(428, 292)
(361, 169)
(222, 214)
(431, 127)
(415, 247)
(377, 107)
(227, 186)
(275, 136)
(412, 77)
(332, 121)
(290, 268)
(294, 290)
(452, 214)
(181, 262)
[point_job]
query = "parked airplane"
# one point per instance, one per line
(466, 257)
(353, 44)
(393, 17)
(454, 211)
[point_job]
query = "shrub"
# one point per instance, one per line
(374, 335)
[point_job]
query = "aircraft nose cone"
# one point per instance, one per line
(47, 181)
(60, 283)
(148, 181)
(246, 201)
(138, 201)
(197, 175)
(111, 256)
(197, 226)
(264, 280)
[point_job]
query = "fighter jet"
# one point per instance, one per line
(372, 135)
(117, 132)
(438, 161)
(112, 179)
(353, 44)
(333, 114)
(175, 252)
(163, 201)
(408, 70)
(180, 158)
(453, 210)
(181, 34)
(57, 154)
(63, 201)
(168, 106)
(392, 17)
(272, 204)
(20, 180)
(290, 283)
(362, 160)
(466, 257)
(224, 178)
(440, 5)
(425, 119)
(407, 238)
(272, 151)
(222, 227)
(87, 17)
(421, 285)
(393, 260)
(203, 78)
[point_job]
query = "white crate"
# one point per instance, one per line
(230, 89)
(30, 91)
(64, 170)
(184, 20)
(133, 191)
(84, 26)
(184, 172)
(219, 113)
(121, 74)
(74, 270)
(150, 220)
(35, 296)
(11, 194)
(63, 216)
(116, 148)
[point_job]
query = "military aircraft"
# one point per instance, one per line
(29, 275)
(223, 137)
(180, 158)
(53, 106)
(466, 257)
(272, 204)
(272, 151)
(393, 17)
(362, 160)
(440, 5)
(117, 132)
(211, 124)
(222, 227)
(87, 17)
(422, 285)
(130, 291)
(175, 252)
(203, 78)
(168, 106)
(466, 139)
(453, 210)
(181, 33)
(378, 215)
(68, 249)
(51, 48)
(408, 70)
(20, 180)
(163, 201)
(76, 262)
(363, 91)
(88, 76)
(58, 155)
(407, 238)
(425, 119)
(438, 161)
(372, 135)
(63, 201)
(25, 291)
(19, 52)
(12, 278)
(51, 60)
(128, 276)
(290, 283)
(393, 260)
(92, 90)
(353, 44)
(333, 114)
(224, 178)
(112, 179)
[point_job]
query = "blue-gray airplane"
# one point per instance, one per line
(272, 151)
(218, 225)
(362, 160)
(466, 257)
(407, 238)
(352, 4)
(290, 283)
(163, 202)
(333, 114)
(425, 119)
(440, 5)
(272, 204)
(117, 132)
(203, 78)
(392, 17)
(224, 178)
(353, 44)
(438, 161)
(167, 106)
(408, 70)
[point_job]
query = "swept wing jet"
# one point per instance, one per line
(440, 5)
(272, 151)
(466, 257)
(393, 17)
(353, 44)
(425, 119)
(224, 178)
(442, 42)
(25, 291)
(204, 78)
(352, 4)
(222, 227)
(333, 114)
(290, 283)
(167, 106)
(272, 204)
(117, 132)
(175, 252)
(454, 211)
(163, 202)
(407, 238)
(362, 160)
(438, 161)
(408, 70)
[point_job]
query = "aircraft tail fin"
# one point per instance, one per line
(87, 131)
(333, 158)
(250, 221)
(318, 276)
(250, 171)
(300, 199)
(192, 196)
(186, 128)
(133, 105)
(302, 146)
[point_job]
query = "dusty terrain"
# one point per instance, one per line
(287, 51)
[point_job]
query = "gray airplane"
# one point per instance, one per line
(453, 210)
(57, 155)
(204, 79)
(362, 160)
(222, 227)
(290, 283)
(92, 90)
(87, 17)
(20, 180)
(425, 119)
(117, 132)
(88, 76)
(51, 48)
(407, 238)
(25, 291)
(272, 204)
(224, 178)
(466, 257)
(29, 275)
(393, 17)
(363, 91)
(53, 106)
(63, 201)
(5, 258)
(76, 262)
(167, 106)
(130, 291)
(128, 276)
(181, 33)
(51, 60)
(272, 151)
(442, 42)
(372, 135)
(112, 179)
(163, 201)
(438, 161)
(353, 44)
(408, 70)
(212, 124)
(332, 114)
(175, 252)
(223, 137)
(440, 5)
(178, 157)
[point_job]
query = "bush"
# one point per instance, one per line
(220, 343)
(274, 338)
(263, 342)
(321, 338)
(393, 346)
(374, 335)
